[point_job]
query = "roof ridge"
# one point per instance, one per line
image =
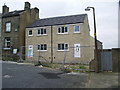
(16, 11)
(60, 20)
(62, 16)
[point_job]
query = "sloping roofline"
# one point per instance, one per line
(61, 20)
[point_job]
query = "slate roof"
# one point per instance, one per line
(13, 13)
(59, 21)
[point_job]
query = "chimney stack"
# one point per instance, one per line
(27, 6)
(5, 9)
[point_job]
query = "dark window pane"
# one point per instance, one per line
(66, 30)
(59, 47)
(42, 47)
(62, 29)
(45, 47)
(30, 32)
(38, 47)
(38, 31)
(62, 46)
(42, 31)
(59, 30)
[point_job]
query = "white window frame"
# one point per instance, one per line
(61, 30)
(8, 27)
(43, 47)
(43, 32)
(64, 47)
(75, 28)
(6, 43)
(29, 33)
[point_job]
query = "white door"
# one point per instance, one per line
(77, 50)
(30, 51)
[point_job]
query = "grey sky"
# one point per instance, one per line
(106, 14)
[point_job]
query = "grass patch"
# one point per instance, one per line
(11, 58)
(66, 68)
(43, 64)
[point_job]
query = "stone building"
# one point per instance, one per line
(119, 25)
(0, 37)
(60, 39)
(13, 28)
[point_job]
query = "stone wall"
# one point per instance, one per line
(0, 37)
(116, 59)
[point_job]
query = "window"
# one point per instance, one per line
(42, 47)
(30, 33)
(7, 42)
(8, 27)
(76, 29)
(63, 30)
(42, 31)
(62, 47)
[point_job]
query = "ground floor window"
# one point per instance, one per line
(62, 47)
(42, 47)
(7, 42)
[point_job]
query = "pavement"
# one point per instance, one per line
(103, 80)
(19, 75)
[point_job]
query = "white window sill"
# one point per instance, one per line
(6, 48)
(76, 32)
(30, 35)
(7, 31)
(42, 50)
(42, 35)
(62, 33)
(62, 50)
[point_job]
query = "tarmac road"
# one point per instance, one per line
(28, 76)
(17, 75)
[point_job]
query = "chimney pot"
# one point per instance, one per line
(5, 9)
(27, 6)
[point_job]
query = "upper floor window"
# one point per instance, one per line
(76, 29)
(62, 47)
(8, 27)
(42, 31)
(30, 33)
(63, 30)
(7, 42)
(42, 47)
